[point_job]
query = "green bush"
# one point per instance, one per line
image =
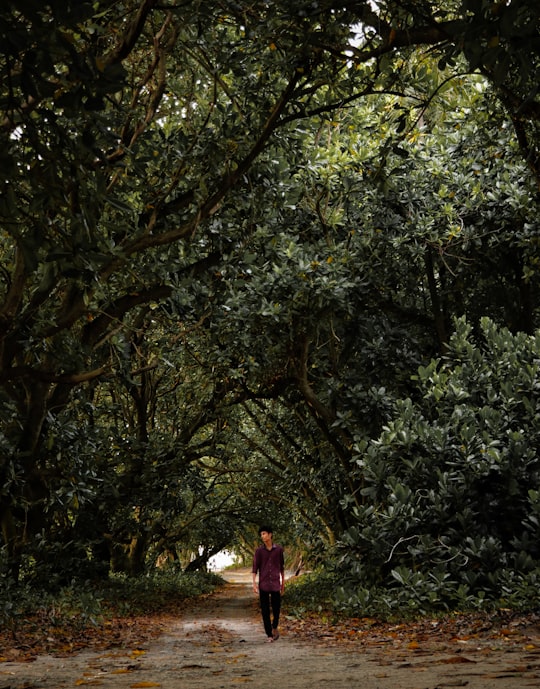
(79, 605)
(450, 516)
(314, 591)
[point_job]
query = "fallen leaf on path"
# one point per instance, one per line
(193, 666)
(141, 685)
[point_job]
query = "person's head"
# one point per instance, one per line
(265, 532)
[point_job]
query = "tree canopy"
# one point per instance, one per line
(244, 247)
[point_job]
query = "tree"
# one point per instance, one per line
(138, 142)
(88, 108)
(374, 252)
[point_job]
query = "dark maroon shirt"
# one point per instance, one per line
(270, 564)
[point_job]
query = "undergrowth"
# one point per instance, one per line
(81, 605)
(311, 592)
(325, 592)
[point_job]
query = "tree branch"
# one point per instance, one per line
(132, 34)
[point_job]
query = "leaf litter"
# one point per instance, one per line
(217, 641)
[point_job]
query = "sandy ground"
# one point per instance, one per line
(220, 643)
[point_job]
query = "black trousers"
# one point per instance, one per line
(270, 599)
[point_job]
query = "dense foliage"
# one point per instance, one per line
(269, 261)
(450, 487)
(38, 622)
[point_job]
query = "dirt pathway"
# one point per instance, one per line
(220, 643)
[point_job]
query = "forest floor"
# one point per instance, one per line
(217, 641)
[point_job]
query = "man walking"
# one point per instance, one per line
(269, 564)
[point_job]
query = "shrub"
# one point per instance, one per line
(450, 513)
